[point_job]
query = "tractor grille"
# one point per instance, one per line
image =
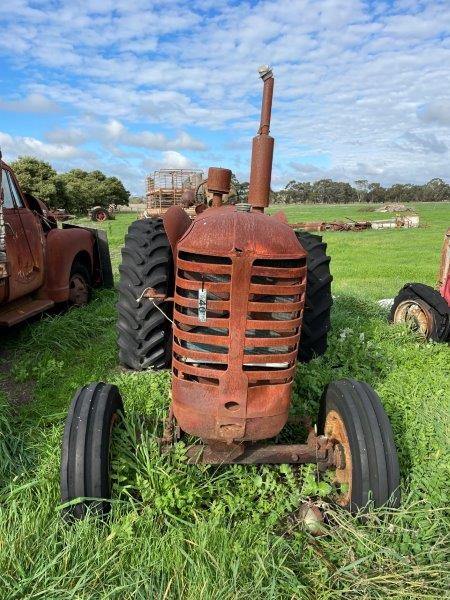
(268, 333)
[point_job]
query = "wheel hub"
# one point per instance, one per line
(78, 290)
(335, 431)
(415, 315)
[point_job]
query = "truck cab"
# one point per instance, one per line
(41, 264)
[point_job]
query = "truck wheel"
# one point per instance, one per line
(424, 310)
(86, 449)
(318, 301)
(351, 413)
(145, 334)
(80, 285)
(99, 214)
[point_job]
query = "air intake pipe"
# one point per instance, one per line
(262, 148)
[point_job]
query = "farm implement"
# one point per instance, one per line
(230, 301)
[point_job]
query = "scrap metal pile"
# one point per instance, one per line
(349, 225)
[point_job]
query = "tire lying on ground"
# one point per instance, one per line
(145, 334)
(318, 302)
(424, 309)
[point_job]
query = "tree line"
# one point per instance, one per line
(76, 191)
(327, 191)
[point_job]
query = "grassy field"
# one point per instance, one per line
(231, 533)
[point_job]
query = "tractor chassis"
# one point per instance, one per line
(319, 449)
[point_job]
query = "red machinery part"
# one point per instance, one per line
(233, 372)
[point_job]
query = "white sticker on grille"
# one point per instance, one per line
(202, 305)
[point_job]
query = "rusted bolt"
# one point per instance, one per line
(294, 457)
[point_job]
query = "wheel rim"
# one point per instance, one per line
(78, 290)
(335, 430)
(415, 315)
(101, 216)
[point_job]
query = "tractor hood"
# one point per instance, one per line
(229, 231)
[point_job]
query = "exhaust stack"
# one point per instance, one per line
(262, 148)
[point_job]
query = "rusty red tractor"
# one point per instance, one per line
(423, 308)
(41, 264)
(230, 301)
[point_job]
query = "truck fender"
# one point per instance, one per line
(63, 245)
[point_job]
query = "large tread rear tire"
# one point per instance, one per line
(433, 309)
(370, 453)
(318, 302)
(85, 453)
(145, 334)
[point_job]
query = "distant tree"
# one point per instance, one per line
(241, 188)
(76, 191)
(38, 178)
(362, 187)
(84, 189)
(376, 193)
(436, 190)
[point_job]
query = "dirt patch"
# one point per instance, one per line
(17, 393)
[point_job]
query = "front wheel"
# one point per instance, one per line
(86, 449)
(367, 470)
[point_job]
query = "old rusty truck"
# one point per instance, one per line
(42, 265)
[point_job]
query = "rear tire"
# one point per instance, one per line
(85, 453)
(318, 301)
(100, 215)
(80, 285)
(352, 414)
(424, 309)
(145, 334)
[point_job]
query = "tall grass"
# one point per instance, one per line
(180, 531)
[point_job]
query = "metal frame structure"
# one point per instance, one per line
(167, 187)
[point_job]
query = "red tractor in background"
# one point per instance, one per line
(229, 301)
(40, 264)
(425, 309)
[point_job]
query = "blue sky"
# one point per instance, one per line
(362, 87)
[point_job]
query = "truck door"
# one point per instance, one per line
(24, 242)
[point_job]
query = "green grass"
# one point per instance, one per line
(177, 531)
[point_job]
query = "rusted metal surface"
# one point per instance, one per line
(324, 451)
(233, 373)
(417, 314)
(262, 149)
(176, 222)
(444, 269)
(342, 458)
(3, 263)
(39, 256)
(219, 182)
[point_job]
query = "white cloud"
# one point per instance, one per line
(363, 84)
(32, 103)
(14, 146)
(175, 160)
